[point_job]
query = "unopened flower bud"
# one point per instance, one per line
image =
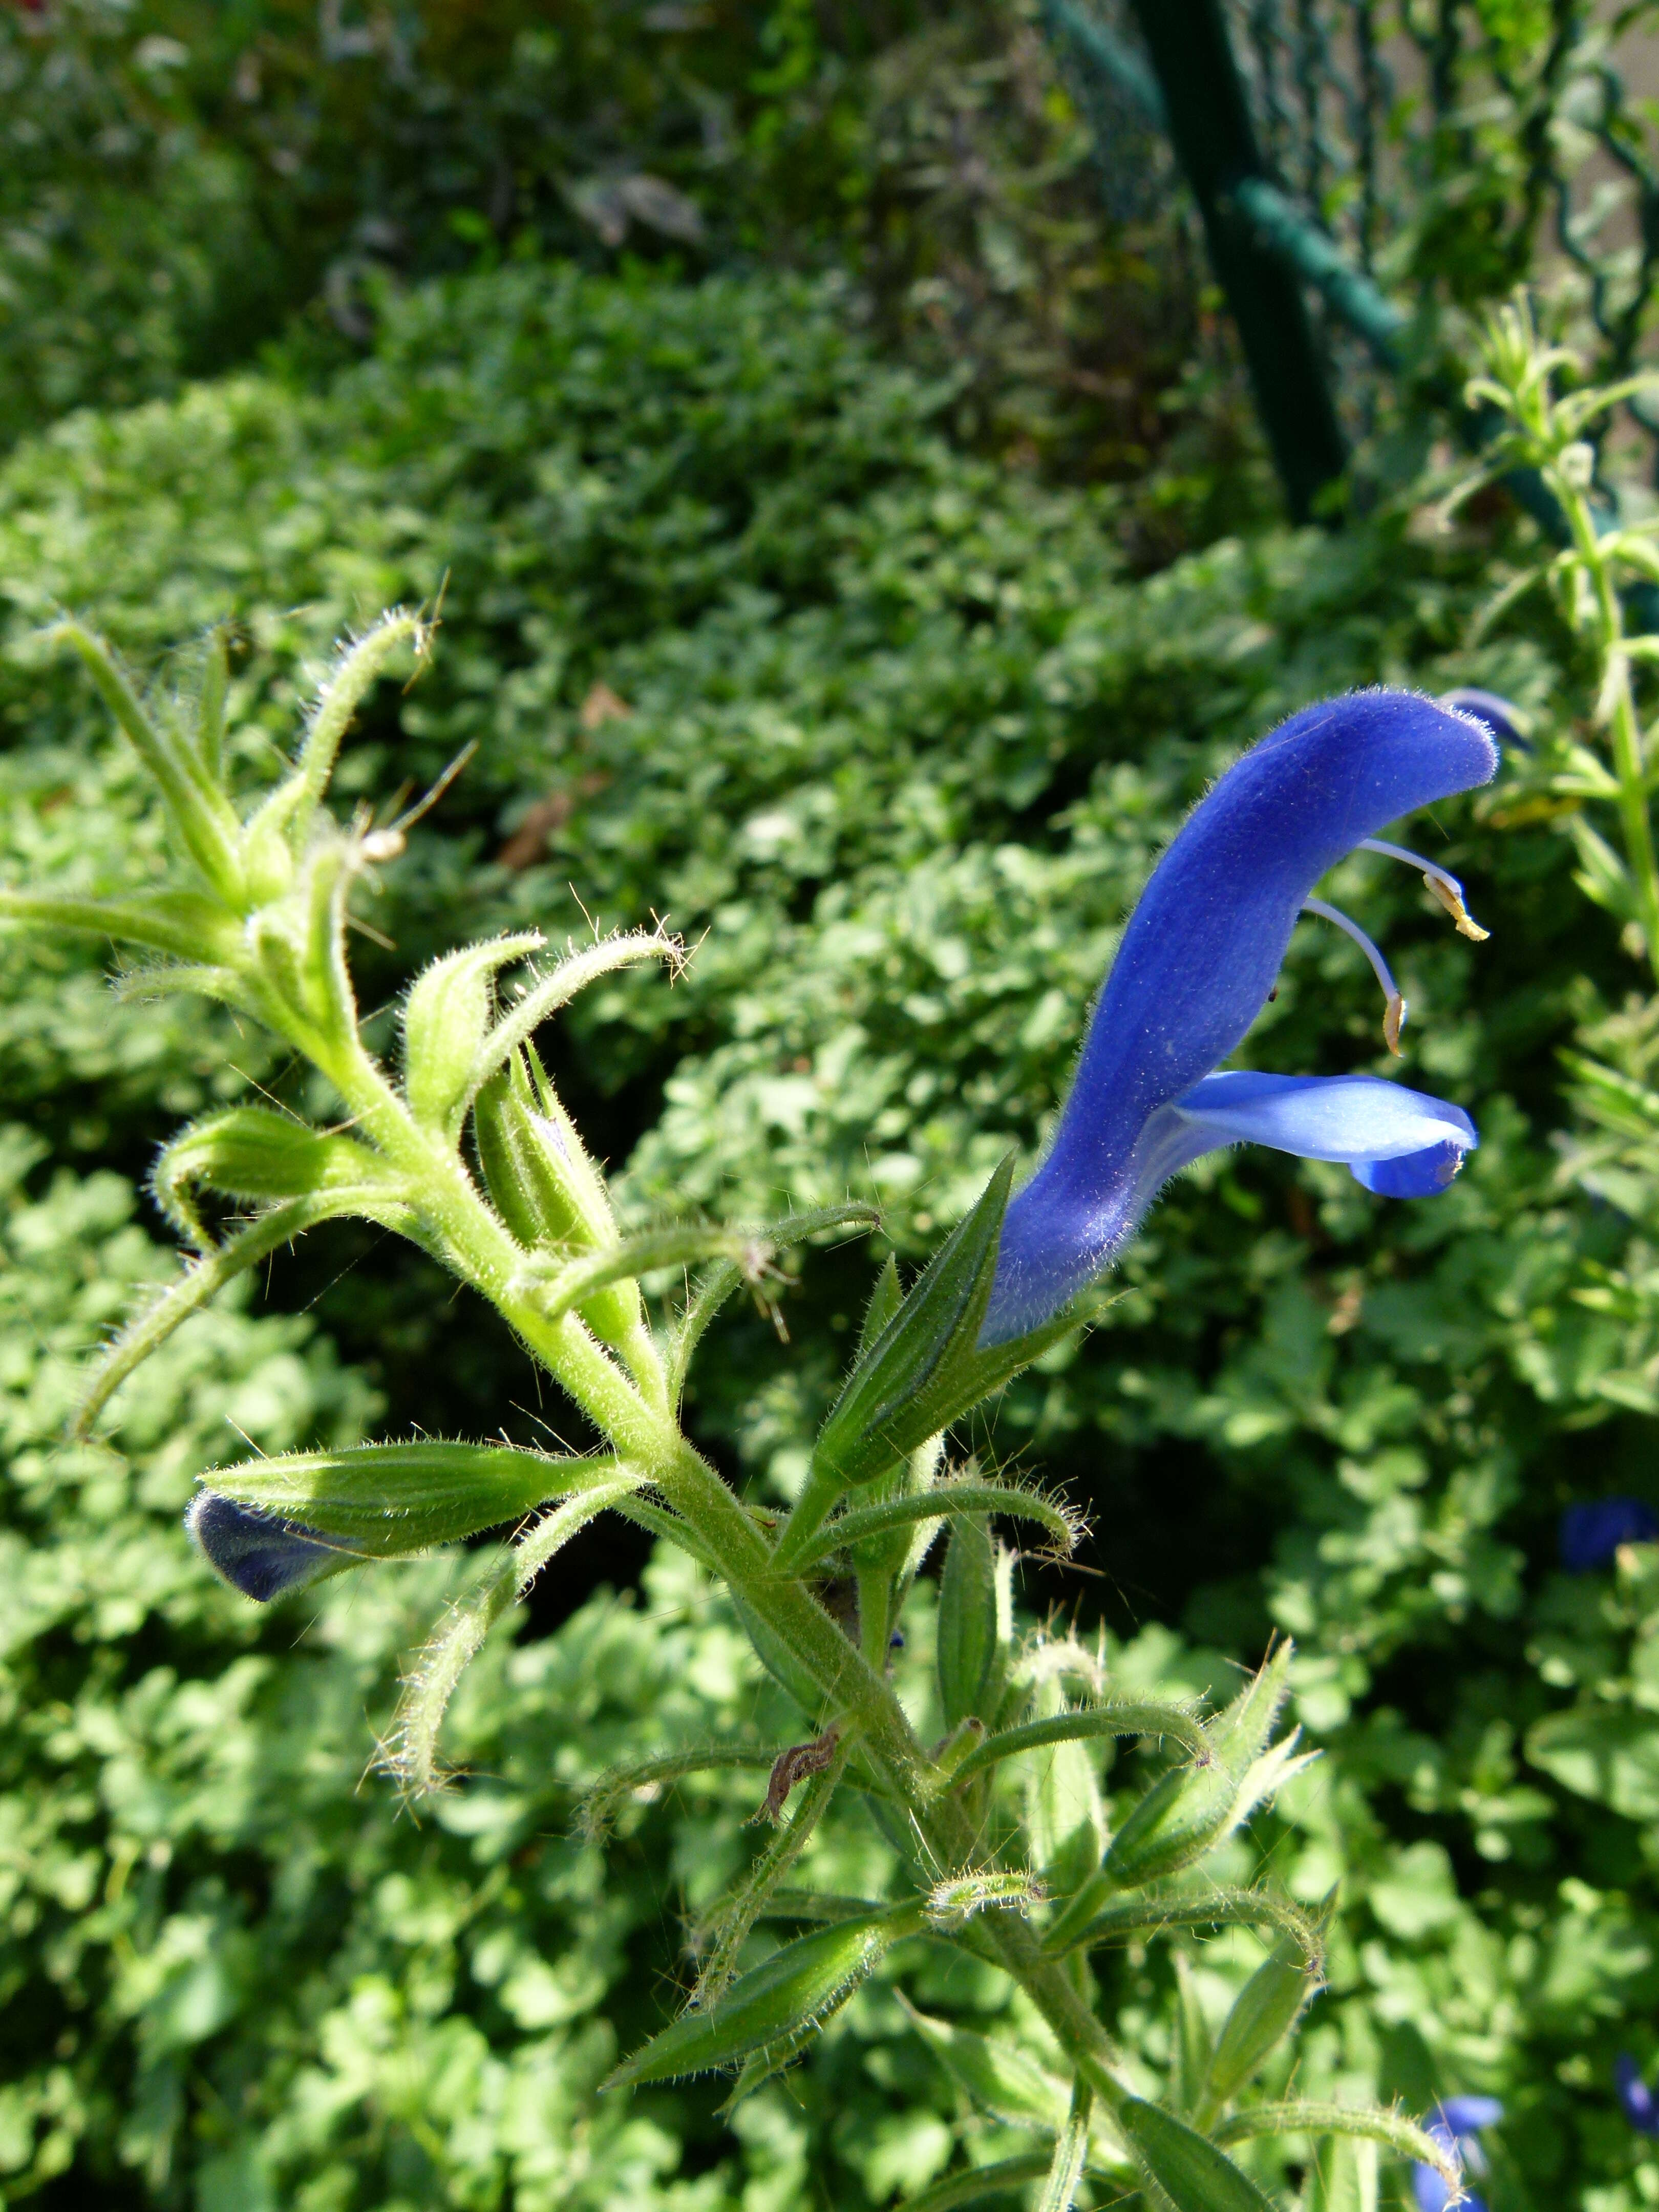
(257, 1554)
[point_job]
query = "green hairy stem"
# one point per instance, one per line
(1551, 430)
(999, 1833)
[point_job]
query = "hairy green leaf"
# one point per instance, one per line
(967, 1632)
(1262, 2015)
(765, 1876)
(1004, 2178)
(903, 1388)
(1126, 1718)
(860, 1523)
(1059, 2185)
(1296, 2116)
(446, 1016)
(410, 1755)
(547, 993)
(198, 808)
(349, 682)
(251, 1153)
(182, 923)
(1187, 2166)
(205, 1277)
(599, 1806)
(1081, 1926)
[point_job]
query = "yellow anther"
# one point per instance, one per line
(1451, 895)
(1443, 887)
(1393, 1020)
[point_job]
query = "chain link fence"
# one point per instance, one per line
(1392, 162)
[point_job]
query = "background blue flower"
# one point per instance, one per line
(1505, 719)
(1592, 1531)
(1639, 2104)
(1456, 2125)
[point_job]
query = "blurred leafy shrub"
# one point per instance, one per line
(742, 638)
(237, 1976)
(182, 178)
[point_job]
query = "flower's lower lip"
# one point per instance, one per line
(1068, 1223)
(1348, 1119)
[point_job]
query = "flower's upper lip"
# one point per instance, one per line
(1199, 955)
(1207, 938)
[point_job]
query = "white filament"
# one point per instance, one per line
(1393, 1021)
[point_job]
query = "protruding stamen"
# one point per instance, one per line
(1443, 887)
(1452, 899)
(1394, 1019)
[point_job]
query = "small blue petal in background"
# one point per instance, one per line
(257, 1554)
(1640, 2105)
(1503, 719)
(1593, 1531)
(1456, 2125)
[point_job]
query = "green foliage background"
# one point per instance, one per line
(895, 718)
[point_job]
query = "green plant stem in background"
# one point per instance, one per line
(1598, 556)
(1546, 429)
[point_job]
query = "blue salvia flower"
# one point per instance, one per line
(257, 1553)
(1456, 2128)
(1639, 2104)
(1197, 960)
(1592, 1532)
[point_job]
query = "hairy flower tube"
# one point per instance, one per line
(1456, 2127)
(1197, 960)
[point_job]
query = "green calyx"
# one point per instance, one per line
(920, 1367)
(251, 1152)
(798, 1986)
(390, 1499)
(544, 1185)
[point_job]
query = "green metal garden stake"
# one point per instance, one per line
(1209, 123)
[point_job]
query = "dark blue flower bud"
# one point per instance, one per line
(1593, 1531)
(257, 1553)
